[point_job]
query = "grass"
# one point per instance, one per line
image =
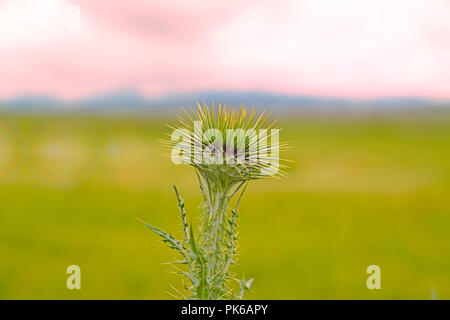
(362, 191)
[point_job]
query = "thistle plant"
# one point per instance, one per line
(227, 147)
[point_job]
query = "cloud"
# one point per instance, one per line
(356, 48)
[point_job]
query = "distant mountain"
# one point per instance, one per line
(131, 101)
(126, 99)
(31, 102)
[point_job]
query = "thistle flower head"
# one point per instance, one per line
(227, 145)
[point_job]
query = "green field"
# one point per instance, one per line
(362, 191)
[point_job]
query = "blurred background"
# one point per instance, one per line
(361, 90)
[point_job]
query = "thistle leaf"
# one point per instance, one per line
(244, 285)
(182, 214)
(167, 238)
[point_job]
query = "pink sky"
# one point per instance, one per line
(345, 48)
